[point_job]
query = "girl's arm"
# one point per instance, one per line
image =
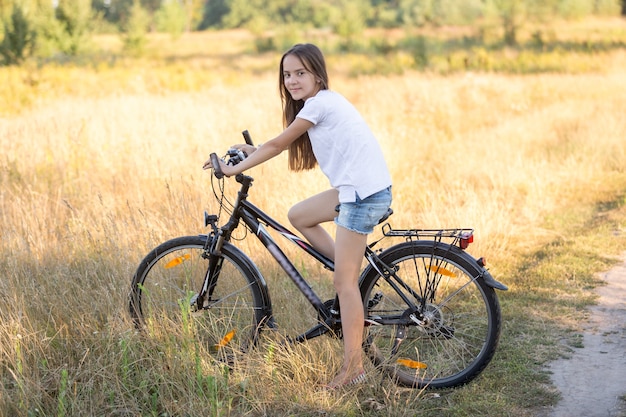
(269, 149)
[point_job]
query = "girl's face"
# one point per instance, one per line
(301, 83)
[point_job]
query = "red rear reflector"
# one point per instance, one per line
(465, 240)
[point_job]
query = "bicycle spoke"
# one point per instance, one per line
(448, 336)
(165, 295)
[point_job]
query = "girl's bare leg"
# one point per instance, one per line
(349, 250)
(307, 215)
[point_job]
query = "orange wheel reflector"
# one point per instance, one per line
(177, 261)
(229, 336)
(409, 363)
(443, 271)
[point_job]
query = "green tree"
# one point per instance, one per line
(260, 14)
(512, 14)
(414, 12)
(455, 12)
(194, 10)
(113, 11)
(135, 29)
(349, 21)
(19, 38)
(76, 18)
(242, 12)
(50, 31)
(214, 13)
(152, 7)
(171, 18)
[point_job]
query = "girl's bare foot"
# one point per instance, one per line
(343, 379)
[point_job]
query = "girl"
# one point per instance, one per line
(322, 127)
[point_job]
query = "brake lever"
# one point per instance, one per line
(236, 156)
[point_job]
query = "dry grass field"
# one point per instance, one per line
(101, 162)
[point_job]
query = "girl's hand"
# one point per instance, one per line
(245, 148)
(226, 169)
(229, 170)
(207, 164)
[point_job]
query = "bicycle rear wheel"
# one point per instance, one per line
(449, 335)
(166, 286)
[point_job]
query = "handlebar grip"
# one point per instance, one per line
(217, 169)
(247, 138)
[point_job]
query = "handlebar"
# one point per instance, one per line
(247, 138)
(217, 169)
(235, 155)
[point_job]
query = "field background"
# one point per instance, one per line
(101, 161)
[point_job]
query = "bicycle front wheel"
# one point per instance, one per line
(435, 323)
(164, 291)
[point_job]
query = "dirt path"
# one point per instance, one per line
(592, 381)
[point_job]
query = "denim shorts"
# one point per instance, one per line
(361, 216)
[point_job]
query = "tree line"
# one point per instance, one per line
(226, 14)
(48, 27)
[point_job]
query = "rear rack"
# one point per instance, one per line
(459, 237)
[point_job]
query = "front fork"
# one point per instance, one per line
(212, 252)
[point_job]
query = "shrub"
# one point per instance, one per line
(76, 18)
(170, 18)
(19, 38)
(136, 29)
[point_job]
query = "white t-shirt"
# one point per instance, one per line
(345, 147)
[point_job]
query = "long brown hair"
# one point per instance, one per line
(301, 155)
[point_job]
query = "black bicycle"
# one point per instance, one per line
(432, 314)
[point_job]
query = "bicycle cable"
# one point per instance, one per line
(224, 203)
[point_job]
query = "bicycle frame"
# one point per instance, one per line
(257, 221)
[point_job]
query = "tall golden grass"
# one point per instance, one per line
(96, 175)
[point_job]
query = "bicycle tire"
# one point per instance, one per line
(459, 333)
(168, 280)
